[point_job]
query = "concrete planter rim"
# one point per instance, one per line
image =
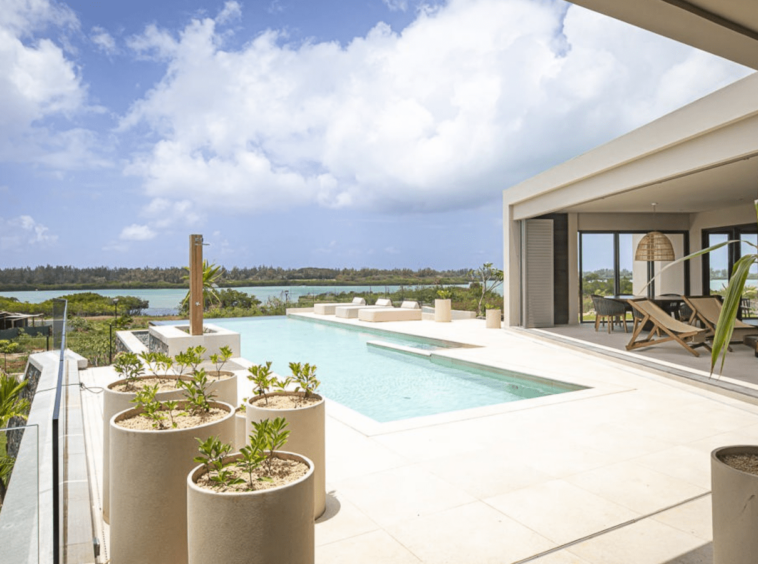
(198, 471)
(734, 449)
(136, 410)
(150, 376)
(221, 375)
(255, 401)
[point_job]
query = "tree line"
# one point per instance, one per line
(72, 278)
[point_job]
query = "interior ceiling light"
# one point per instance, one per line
(654, 246)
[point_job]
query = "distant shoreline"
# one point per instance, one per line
(256, 283)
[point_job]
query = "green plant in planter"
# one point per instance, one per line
(150, 361)
(268, 437)
(196, 356)
(221, 358)
(304, 376)
(181, 361)
(197, 393)
(262, 378)
(274, 436)
(129, 367)
(212, 455)
(444, 294)
(151, 407)
(163, 363)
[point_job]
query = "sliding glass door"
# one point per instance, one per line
(607, 268)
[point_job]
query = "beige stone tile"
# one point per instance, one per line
(561, 458)
(341, 520)
(486, 473)
(621, 441)
(376, 547)
(559, 557)
(349, 453)
(433, 442)
(694, 518)
(469, 534)
(718, 417)
(399, 494)
(645, 542)
(681, 462)
(634, 486)
(561, 511)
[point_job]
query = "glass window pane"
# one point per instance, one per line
(597, 270)
(718, 260)
(749, 302)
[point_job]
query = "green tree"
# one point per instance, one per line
(11, 405)
(211, 274)
(488, 278)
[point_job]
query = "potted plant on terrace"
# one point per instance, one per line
(252, 507)
(223, 382)
(152, 451)
(304, 411)
(443, 306)
(119, 396)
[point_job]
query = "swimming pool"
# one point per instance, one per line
(378, 382)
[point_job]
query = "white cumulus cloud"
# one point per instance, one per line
(136, 232)
(103, 40)
(19, 234)
(469, 99)
(38, 81)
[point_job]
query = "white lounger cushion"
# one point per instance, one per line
(328, 309)
(408, 311)
(351, 311)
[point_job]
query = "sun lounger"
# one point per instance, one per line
(707, 309)
(328, 309)
(665, 328)
(351, 311)
(408, 311)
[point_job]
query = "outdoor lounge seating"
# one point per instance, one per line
(351, 311)
(610, 311)
(665, 328)
(328, 309)
(706, 310)
(408, 311)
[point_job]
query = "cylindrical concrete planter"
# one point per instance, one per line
(241, 433)
(734, 495)
(493, 318)
(258, 527)
(113, 403)
(307, 436)
(443, 311)
(224, 388)
(149, 488)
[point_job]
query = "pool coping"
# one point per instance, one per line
(369, 427)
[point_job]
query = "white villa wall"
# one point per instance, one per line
(633, 221)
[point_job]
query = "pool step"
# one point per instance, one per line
(400, 348)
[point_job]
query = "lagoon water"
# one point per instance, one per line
(166, 301)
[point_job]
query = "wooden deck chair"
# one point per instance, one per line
(707, 309)
(665, 328)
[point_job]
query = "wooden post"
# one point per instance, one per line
(196, 285)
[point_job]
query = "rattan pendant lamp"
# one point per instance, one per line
(654, 246)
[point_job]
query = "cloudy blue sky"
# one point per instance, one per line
(306, 132)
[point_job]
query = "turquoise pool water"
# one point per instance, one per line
(381, 384)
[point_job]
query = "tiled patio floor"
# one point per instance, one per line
(618, 473)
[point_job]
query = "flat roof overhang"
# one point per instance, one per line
(727, 28)
(701, 157)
